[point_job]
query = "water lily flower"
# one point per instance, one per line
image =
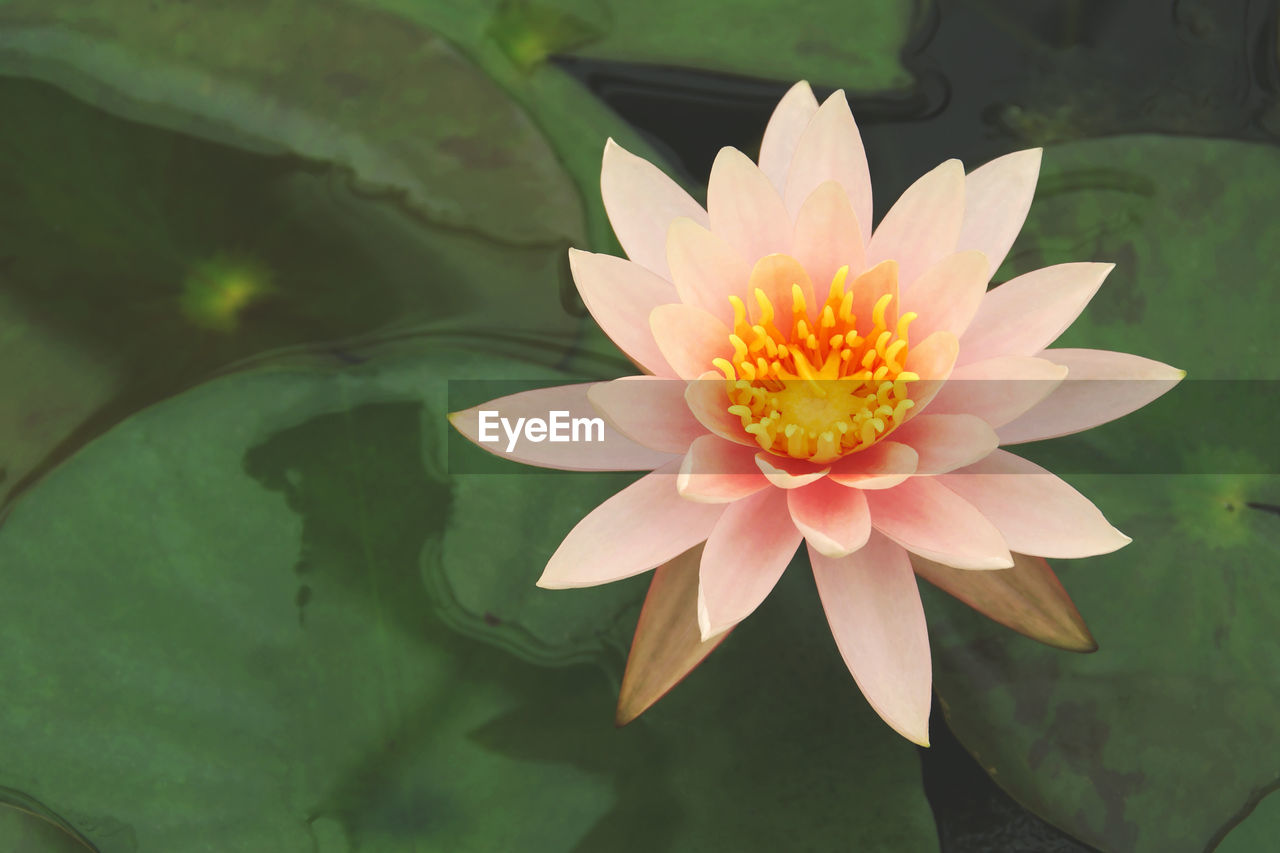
(811, 380)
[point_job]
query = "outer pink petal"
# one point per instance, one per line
(834, 520)
(747, 552)
(639, 528)
(792, 115)
(641, 203)
(928, 519)
(947, 442)
(997, 196)
(827, 235)
(947, 295)
(998, 390)
(620, 296)
(709, 403)
(830, 149)
(1026, 314)
(873, 606)
(787, 473)
(923, 225)
(1035, 512)
(718, 471)
(1100, 387)
(881, 466)
(705, 270)
(649, 410)
(746, 211)
(615, 452)
(688, 338)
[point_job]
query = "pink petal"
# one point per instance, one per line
(747, 552)
(868, 288)
(1035, 512)
(709, 403)
(947, 295)
(705, 270)
(1026, 314)
(787, 473)
(639, 528)
(997, 196)
(881, 466)
(774, 275)
(827, 235)
(649, 410)
(947, 442)
(620, 296)
(932, 360)
(789, 119)
(998, 390)
(834, 519)
(641, 203)
(923, 225)
(718, 471)
(1100, 387)
(615, 452)
(928, 519)
(830, 149)
(873, 606)
(688, 338)
(746, 211)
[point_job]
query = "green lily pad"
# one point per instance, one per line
(216, 636)
(332, 81)
(1159, 740)
(135, 262)
(25, 828)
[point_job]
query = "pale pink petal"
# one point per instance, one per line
(787, 473)
(883, 465)
(620, 296)
(718, 471)
(1026, 314)
(709, 402)
(922, 226)
(947, 295)
(649, 410)
(929, 519)
(932, 360)
(689, 338)
(997, 196)
(792, 115)
(639, 528)
(558, 408)
(998, 390)
(746, 211)
(774, 276)
(705, 270)
(947, 442)
(827, 235)
(830, 149)
(747, 552)
(867, 289)
(834, 519)
(641, 203)
(1035, 512)
(873, 607)
(1100, 387)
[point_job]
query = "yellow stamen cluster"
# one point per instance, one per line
(819, 390)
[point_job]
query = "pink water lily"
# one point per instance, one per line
(804, 384)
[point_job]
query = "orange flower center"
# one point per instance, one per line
(817, 389)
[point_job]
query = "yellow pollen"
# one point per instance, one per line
(815, 389)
